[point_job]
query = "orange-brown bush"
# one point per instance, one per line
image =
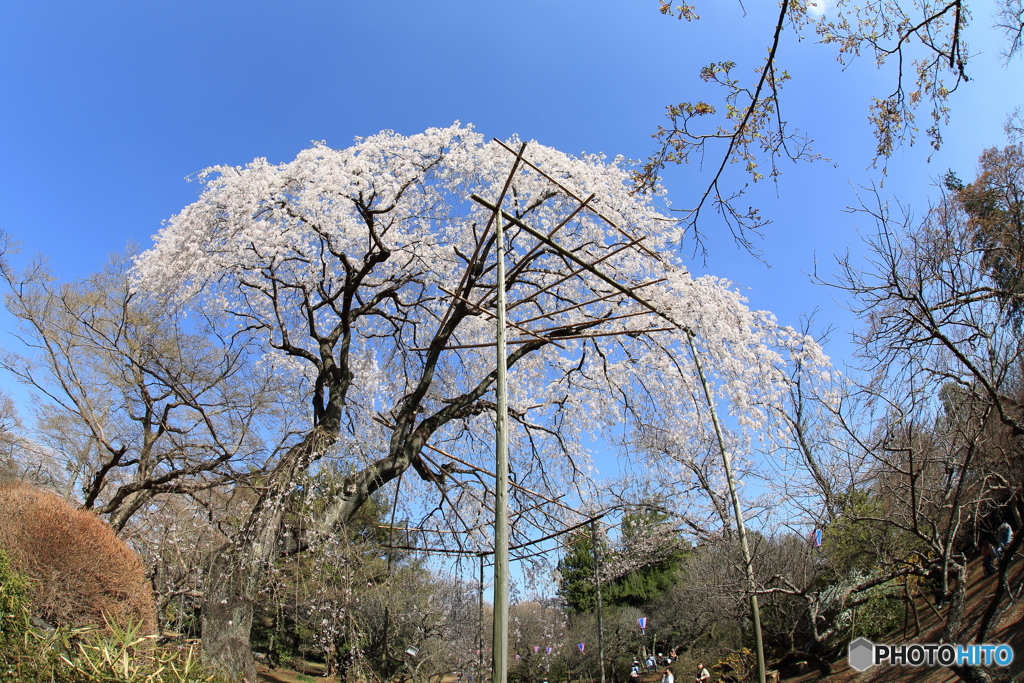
(79, 570)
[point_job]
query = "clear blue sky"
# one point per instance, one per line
(106, 107)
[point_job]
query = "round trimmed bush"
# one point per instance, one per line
(80, 573)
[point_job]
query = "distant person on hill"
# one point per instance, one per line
(667, 677)
(1003, 535)
(634, 672)
(988, 558)
(703, 675)
(934, 579)
(651, 664)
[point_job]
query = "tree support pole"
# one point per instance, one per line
(748, 566)
(480, 624)
(600, 611)
(741, 529)
(499, 662)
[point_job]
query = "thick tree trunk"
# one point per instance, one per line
(237, 569)
(227, 623)
(129, 506)
(953, 632)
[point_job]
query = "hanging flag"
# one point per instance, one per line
(536, 648)
(547, 650)
(643, 624)
(816, 538)
(583, 647)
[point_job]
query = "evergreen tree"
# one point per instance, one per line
(652, 553)
(577, 585)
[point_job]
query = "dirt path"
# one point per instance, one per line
(310, 672)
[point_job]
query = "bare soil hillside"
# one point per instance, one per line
(1009, 629)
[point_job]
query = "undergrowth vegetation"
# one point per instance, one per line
(30, 652)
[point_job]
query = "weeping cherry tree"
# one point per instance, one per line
(369, 277)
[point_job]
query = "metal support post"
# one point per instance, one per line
(600, 610)
(500, 637)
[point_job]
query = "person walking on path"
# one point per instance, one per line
(1003, 535)
(988, 558)
(667, 677)
(703, 675)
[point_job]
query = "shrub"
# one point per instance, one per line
(82, 655)
(739, 666)
(81, 574)
(879, 616)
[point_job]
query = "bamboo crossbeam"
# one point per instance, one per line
(572, 257)
(553, 501)
(439, 551)
(602, 321)
(525, 490)
(492, 316)
(587, 303)
(594, 335)
(483, 503)
(572, 194)
(484, 553)
(465, 274)
(574, 527)
(483, 235)
(574, 273)
(515, 513)
(522, 262)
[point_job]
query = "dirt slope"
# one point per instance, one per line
(1009, 629)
